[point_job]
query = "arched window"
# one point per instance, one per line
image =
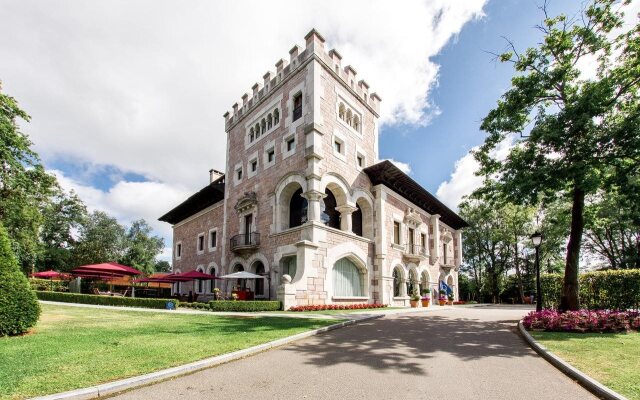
(356, 123)
(257, 130)
(259, 270)
(199, 282)
(341, 111)
(347, 279)
(356, 220)
(263, 126)
(251, 135)
(289, 266)
(297, 209)
(276, 117)
(269, 121)
(212, 283)
(328, 213)
(397, 282)
(349, 116)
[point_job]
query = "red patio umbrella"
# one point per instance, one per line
(110, 267)
(51, 274)
(197, 275)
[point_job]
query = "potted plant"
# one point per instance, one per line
(426, 298)
(442, 299)
(414, 300)
(450, 297)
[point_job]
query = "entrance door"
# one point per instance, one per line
(248, 223)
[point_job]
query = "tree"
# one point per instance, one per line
(142, 247)
(162, 266)
(25, 187)
(582, 130)
(102, 239)
(19, 308)
(63, 216)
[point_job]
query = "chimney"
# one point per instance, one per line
(375, 100)
(214, 175)
(226, 117)
(314, 41)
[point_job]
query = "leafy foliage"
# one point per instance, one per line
(142, 247)
(584, 133)
(19, 308)
(229, 305)
(582, 321)
(609, 290)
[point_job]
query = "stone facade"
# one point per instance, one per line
(299, 197)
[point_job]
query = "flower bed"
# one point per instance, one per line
(582, 321)
(325, 307)
(459, 303)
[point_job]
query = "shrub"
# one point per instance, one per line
(244, 306)
(48, 285)
(19, 308)
(325, 307)
(105, 300)
(582, 321)
(608, 290)
(196, 305)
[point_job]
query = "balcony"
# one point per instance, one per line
(415, 252)
(245, 242)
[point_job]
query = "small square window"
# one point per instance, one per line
(239, 174)
(179, 250)
(396, 232)
(291, 144)
(254, 165)
(271, 155)
(201, 243)
(360, 161)
(337, 146)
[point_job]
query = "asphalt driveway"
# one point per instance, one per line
(464, 353)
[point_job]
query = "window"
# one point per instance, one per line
(291, 144)
(269, 121)
(239, 174)
(328, 213)
(259, 288)
(297, 106)
(200, 243)
(360, 161)
(396, 232)
(298, 207)
(200, 282)
(251, 135)
(411, 241)
(349, 117)
(347, 279)
(213, 239)
(263, 126)
(444, 253)
(254, 165)
(271, 155)
(356, 221)
(178, 250)
(276, 117)
(337, 146)
(423, 243)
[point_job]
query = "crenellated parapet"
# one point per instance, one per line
(314, 47)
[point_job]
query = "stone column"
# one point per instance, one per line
(286, 293)
(345, 211)
(314, 197)
(435, 254)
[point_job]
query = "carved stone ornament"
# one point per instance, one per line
(248, 201)
(412, 218)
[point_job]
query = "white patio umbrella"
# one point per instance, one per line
(242, 275)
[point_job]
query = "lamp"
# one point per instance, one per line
(536, 238)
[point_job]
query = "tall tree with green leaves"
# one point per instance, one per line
(142, 247)
(101, 239)
(25, 187)
(581, 129)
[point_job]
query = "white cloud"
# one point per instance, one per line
(129, 201)
(402, 166)
(143, 85)
(463, 180)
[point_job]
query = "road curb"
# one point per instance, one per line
(111, 388)
(589, 383)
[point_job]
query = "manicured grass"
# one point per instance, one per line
(74, 347)
(613, 359)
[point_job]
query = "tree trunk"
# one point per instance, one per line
(518, 274)
(569, 299)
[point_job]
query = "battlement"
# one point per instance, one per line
(314, 43)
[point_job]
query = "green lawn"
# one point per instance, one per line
(74, 347)
(612, 359)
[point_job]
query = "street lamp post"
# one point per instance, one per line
(536, 238)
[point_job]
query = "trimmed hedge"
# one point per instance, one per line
(49, 285)
(105, 300)
(245, 306)
(19, 308)
(599, 290)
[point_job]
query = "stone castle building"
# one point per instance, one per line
(304, 194)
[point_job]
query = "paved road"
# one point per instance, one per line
(464, 353)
